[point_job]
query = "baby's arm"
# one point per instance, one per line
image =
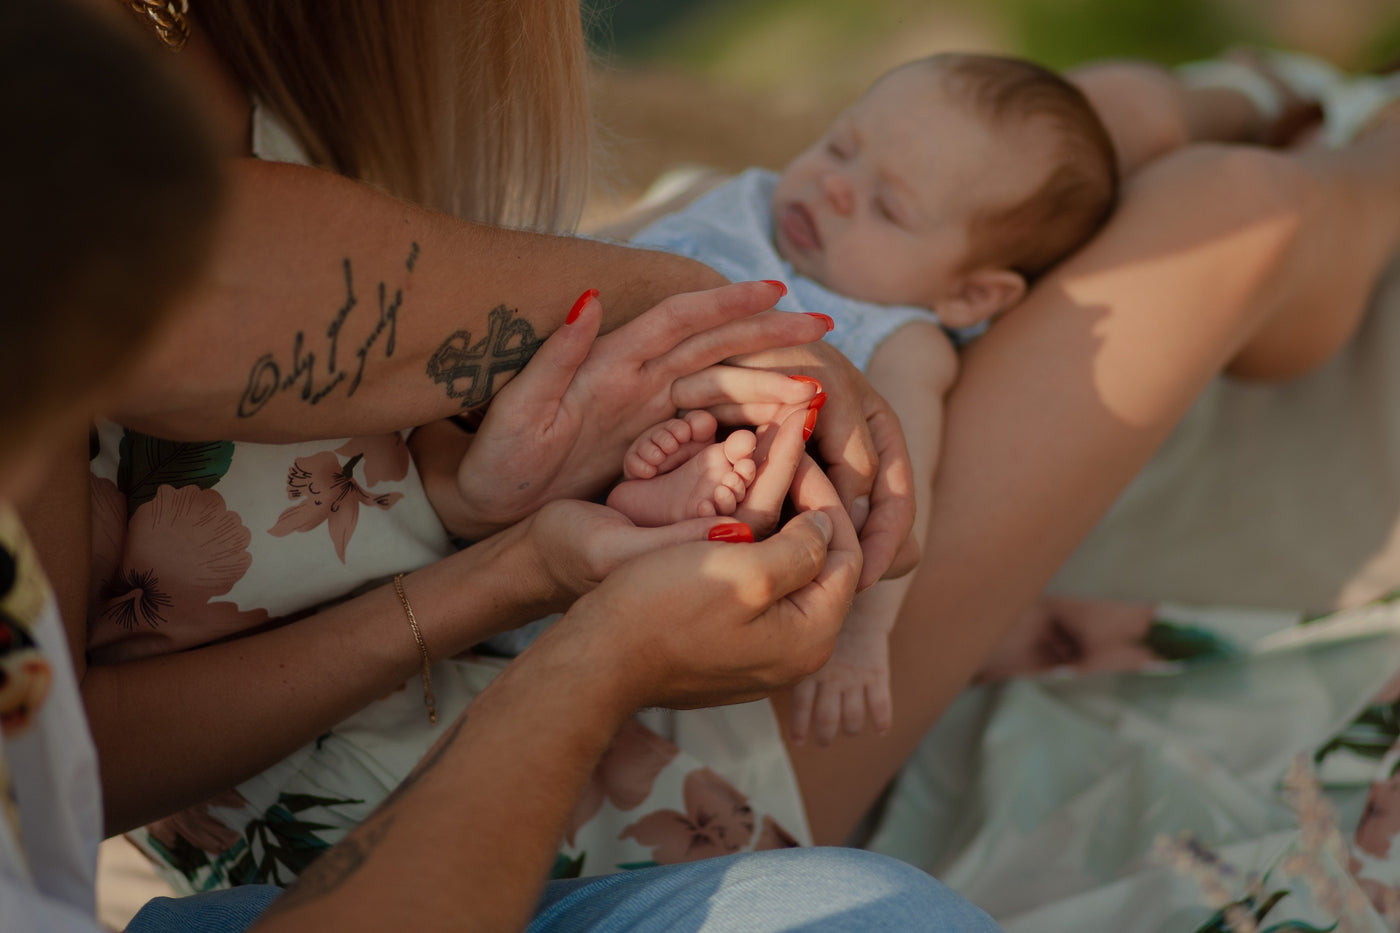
(913, 370)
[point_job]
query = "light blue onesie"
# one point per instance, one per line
(731, 230)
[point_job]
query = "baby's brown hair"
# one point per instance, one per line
(1079, 191)
(108, 190)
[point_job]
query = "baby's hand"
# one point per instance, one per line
(854, 684)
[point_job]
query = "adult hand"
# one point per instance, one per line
(577, 544)
(561, 427)
(863, 449)
(708, 624)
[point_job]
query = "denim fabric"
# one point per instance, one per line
(819, 890)
(228, 911)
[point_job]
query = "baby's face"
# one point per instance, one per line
(878, 209)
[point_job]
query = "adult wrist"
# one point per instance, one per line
(576, 654)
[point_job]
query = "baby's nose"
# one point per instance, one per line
(839, 192)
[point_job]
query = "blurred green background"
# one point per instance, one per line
(730, 83)
(715, 34)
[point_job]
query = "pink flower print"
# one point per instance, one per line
(771, 835)
(328, 493)
(108, 536)
(385, 457)
(717, 821)
(625, 775)
(183, 548)
(197, 826)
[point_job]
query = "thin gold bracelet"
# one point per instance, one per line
(428, 699)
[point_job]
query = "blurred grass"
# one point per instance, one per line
(732, 83)
(751, 42)
(1068, 32)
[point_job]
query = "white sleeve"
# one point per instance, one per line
(26, 910)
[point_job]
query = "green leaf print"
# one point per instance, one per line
(185, 857)
(280, 846)
(1370, 735)
(299, 802)
(1217, 923)
(146, 463)
(1176, 641)
(565, 867)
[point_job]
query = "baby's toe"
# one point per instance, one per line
(725, 502)
(701, 425)
(739, 446)
(666, 442)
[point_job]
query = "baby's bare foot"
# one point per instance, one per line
(712, 482)
(668, 445)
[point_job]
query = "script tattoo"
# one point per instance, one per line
(469, 370)
(339, 864)
(335, 867)
(270, 375)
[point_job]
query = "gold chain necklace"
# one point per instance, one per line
(168, 17)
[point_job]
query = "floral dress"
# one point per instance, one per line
(1219, 765)
(198, 542)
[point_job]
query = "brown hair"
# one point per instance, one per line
(1081, 187)
(478, 109)
(108, 191)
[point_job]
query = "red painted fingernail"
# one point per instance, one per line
(824, 318)
(807, 380)
(780, 285)
(814, 406)
(578, 305)
(734, 531)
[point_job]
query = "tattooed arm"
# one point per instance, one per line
(333, 310)
(467, 841)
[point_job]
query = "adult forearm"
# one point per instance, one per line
(248, 703)
(334, 310)
(467, 840)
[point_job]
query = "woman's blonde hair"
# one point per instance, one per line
(478, 108)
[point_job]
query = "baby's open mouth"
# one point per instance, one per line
(799, 228)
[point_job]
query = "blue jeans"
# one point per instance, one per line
(818, 890)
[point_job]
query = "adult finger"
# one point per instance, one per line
(795, 556)
(891, 518)
(657, 331)
(847, 447)
(624, 543)
(740, 385)
(811, 490)
(827, 600)
(905, 559)
(751, 334)
(547, 376)
(763, 503)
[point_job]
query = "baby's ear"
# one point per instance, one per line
(981, 295)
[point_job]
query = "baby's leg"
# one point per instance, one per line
(712, 482)
(1351, 194)
(1149, 110)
